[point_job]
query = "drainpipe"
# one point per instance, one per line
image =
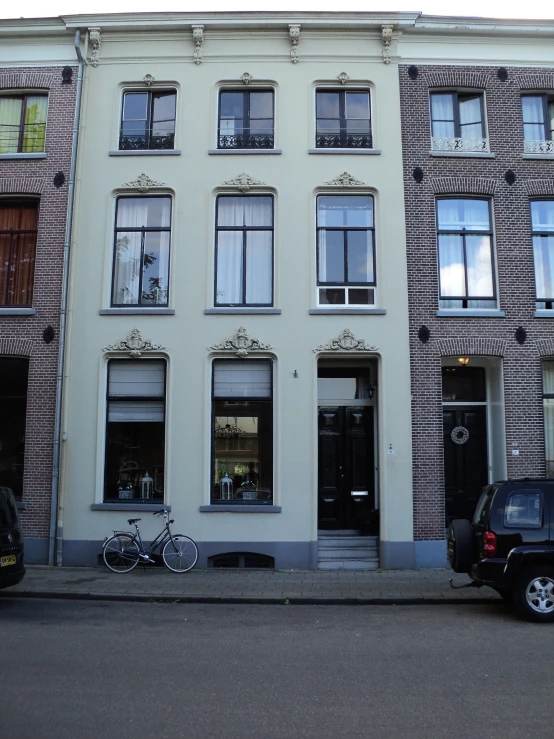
(56, 520)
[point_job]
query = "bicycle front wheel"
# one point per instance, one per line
(180, 553)
(120, 553)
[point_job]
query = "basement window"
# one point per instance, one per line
(242, 561)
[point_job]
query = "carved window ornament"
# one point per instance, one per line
(345, 342)
(198, 38)
(246, 78)
(343, 78)
(243, 182)
(148, 80)
(344, 180)
(143, 183)
(95, 38)
(386, 40)
(134, 345)
(294, 33)
(240, 344)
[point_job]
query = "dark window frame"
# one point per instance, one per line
(143, 230)
(24, 96)
(463, 232)
(545, 99)
(456, 95)
(343, 140)
(167, 142)
(223, 399)
(4, 300)
(549, 302)
(246, 140)
(245, 230)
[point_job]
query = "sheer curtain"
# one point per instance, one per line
(533, 117)
(10, 120)
(442, 115)
(470, 118)
(131, 213)
(35, 123)
(542, 219)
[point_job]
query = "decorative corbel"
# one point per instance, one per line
(148, 80)
(95, 37)
(343, 78)
(247, 78)
(198, 38)
(386, 40)
(294, 33)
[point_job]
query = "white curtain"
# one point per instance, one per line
(259, 278)
(442, 115)
(454, 215)
(542, 219)
(229, 268)
(479, 266)
(470, 118)
(451, 259)
(10, 120)
(533, 117)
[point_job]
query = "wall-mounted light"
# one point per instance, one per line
(463, 361)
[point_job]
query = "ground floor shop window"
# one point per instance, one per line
(13, 410)
(135, 433)
(548, 404)
(242, 432)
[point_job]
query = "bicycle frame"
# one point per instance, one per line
(161, 539)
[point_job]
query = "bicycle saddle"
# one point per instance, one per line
(133, 520)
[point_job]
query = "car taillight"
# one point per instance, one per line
(489, 544)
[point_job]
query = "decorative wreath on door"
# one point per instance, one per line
(459, 435)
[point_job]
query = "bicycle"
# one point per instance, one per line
(124, 550)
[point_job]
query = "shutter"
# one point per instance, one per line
(242, 379)
(128, 378)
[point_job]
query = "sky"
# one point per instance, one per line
(539, 9)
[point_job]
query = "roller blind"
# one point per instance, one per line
(130, 378)
(242, 379)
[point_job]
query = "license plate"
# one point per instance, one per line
(9, 560)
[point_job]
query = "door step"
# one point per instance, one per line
(347, 550)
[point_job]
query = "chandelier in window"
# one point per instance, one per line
(228, 431)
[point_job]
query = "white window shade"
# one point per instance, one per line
(134, 411)
(132, 378)
(242, 379)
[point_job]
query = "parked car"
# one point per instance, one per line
(509, 545)
(12, 569)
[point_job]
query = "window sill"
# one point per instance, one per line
(244, 151)
(373, 152)
(242, 311)
(146, 153)
(132, 506)
(544, 313)
(137, 312)
(544, 155)
(464, 154)
(240, 509)
(471, 313)
(34, 155)
(347, 312)
(21, 506)
(17, 312)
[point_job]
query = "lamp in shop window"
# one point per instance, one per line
(226, 487)
(146, 486)
(463, 361)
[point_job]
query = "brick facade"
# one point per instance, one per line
(482, 336)
(21, 335)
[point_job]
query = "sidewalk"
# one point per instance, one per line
(250, 586)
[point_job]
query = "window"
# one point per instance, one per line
(345, 250)
(148, 120)
(135, 434)
(538, 123)
(246, 119)
(242, 432)
(457, 121)
(523, 510)
(244, 250)
(18, 240)
(14, 374)
(343, 119)
(23, 123)
(141, 251)
(466, 272)
(542, 224)
(548, 408)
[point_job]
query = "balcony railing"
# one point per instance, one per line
(538, 147)
(146, 141)
(459, 144)
(343, 141)
(246, 141)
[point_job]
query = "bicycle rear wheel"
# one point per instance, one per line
(180, 553)
(120, 553)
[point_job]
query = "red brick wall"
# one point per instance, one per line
(514, 263)
(22, 335)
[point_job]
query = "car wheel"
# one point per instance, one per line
(460, 545)
(534, 593)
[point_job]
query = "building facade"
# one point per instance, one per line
(38, 71)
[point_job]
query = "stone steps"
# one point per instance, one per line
(347, 550)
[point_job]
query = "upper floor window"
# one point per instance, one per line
(148, 120)
(538, 123)
(23, 123)
(244, 250)
(542, 224)
(141, 251)
(466, 270)
(18, 240)
(246, 119)
(458, 121)
(345, 250)
(343, 119)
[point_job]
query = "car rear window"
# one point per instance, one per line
(523, 509)
(8, 510)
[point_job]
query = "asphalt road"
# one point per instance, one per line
(74, 669)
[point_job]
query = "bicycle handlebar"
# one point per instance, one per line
(159, 513)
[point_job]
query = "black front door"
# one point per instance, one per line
(346, 470)
(465, 459)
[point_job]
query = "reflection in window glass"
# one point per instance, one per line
(523, 509)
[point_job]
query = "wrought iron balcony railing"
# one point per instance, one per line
(146, 141)
(343, 141)
(459, 144)
(246, 141)
(538, 147)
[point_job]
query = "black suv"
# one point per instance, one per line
(12, 570)
(509, 546)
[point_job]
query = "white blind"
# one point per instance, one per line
(242, 379)
(130, 378)
(149, 411)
